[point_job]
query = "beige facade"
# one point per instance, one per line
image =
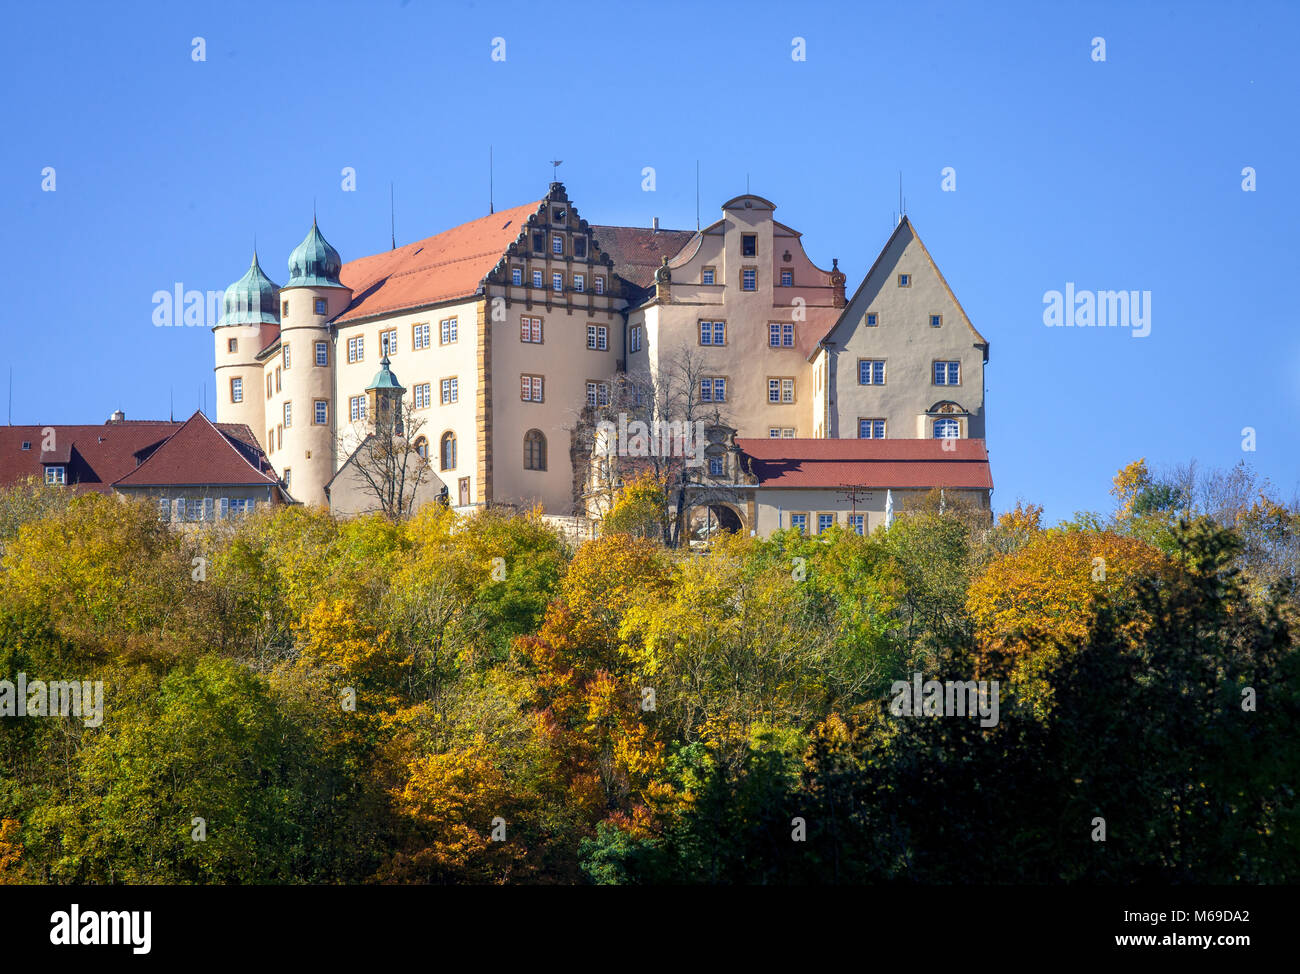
(500, 365)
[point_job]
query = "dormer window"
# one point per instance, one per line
(27, 444)
(56, 474)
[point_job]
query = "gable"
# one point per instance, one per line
(879, 291)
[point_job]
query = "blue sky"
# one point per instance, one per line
(1122, 174)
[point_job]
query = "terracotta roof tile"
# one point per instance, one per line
(97, 455)
(199, 453)
(899, 464)
(638, 251)
(443, 267)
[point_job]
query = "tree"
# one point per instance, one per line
(387, 462)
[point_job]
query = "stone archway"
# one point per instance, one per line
(708, 519)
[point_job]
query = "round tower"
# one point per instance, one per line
(250, 321)
(305, 406)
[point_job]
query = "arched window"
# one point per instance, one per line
(534, 450)
(422, 448)
(448, 451)
(947, 429)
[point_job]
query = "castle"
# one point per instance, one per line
(505, 328)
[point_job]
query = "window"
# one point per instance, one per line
(268, 385)
(904, 280)
(447, 331)
(537, 278)
(530, 330)
(320, 306)
(947, 429)
(858, 523)
(713, 333)
(534, 450)
(787, 278)
(388, 342)
(871, 429)
(277, 378)
(516, 276)
(557, 281)
(871, 372)
(780, 335)
(748, 245)
(635, 338)
(449, 390)
(716, 465)
(423, 393)
(600, 284)
(936, 321)
(420, 336)
(164, 509)
(284, 354)
(447, 451)
(597, 337)
(873, 319)
(531, 388)
(232, 344)
(288, 478)
(579, 282)
(597, 394)
(356, 348)
(422, 448)
(947, 373)
(56, 475)
(780, 390)
(579, 246)
(279, 437)
(557, 244)
(320, 412)
(223, 507)
(713, 390)
(322, 353)
(706, 275)
(284, 309)
(288, 414)
(824, 522)
(236, 389)
(270, 441)
(539, 241)
(749, 279)
(357, 408)
(781, 433)
(799, 522)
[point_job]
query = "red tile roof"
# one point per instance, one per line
(898, 464)
(443, 267)
(638, 251)
(200, 454)
(98, 455)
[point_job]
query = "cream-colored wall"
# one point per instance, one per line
(567, 365)
(909, 345)
(250, 339)
(412, 367)
(774, 505)
(747, 361)
(350, 495)
(309, 449)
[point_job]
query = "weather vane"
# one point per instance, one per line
(555, 165)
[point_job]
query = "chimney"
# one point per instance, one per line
(117, 417)
(654, 224)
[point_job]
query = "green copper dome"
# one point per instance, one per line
(251, 300)
(384, 378)
(314, 263)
